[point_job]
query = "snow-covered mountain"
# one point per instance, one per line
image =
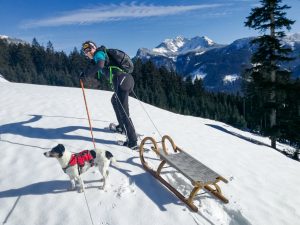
(12, 40)
(169, 50)
(202, 57)
(181, 45)
(292, 39)
(263, 184)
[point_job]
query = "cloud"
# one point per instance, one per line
(113, 12)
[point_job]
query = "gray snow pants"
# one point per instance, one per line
(123, 84)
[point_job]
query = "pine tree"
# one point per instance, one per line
(267, 75)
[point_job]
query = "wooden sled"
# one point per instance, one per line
(200, 175)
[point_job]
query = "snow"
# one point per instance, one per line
(182, 45)
(208, 40)
(198, 74)
(3, 37)
(263, 184)
(200, 53)
(291, 40)
(2, 79)
(170, 45)
(160, 50)
(230, 78)
(12, 40)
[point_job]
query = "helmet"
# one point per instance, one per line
(88, 45)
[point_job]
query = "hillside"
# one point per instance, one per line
(263, 184)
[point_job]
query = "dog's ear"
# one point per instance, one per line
(93, 153)
(60, 149)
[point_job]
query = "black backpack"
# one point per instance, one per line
(118, 58)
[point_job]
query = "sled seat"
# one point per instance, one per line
(199, 175)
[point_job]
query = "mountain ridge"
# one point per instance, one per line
(12, 40)
(212, 62)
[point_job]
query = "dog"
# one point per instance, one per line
(74, 164)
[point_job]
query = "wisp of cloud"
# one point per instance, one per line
(113, 12)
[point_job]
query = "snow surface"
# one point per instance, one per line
(2, 79)
(230, 78)
(263, 184)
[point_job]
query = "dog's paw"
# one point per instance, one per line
(103, 188)
(80, 190)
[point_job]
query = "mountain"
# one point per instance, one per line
(181, 45)
(167, 53)
(263, 185)
(219, 66)
(12, 40)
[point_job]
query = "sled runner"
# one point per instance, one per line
(200, 175)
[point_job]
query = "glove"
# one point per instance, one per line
(82, 76)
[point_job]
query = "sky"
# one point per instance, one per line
(128, 25)
(263, 185)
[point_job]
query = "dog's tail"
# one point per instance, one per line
(114, 162)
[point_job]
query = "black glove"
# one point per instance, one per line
(82, 76)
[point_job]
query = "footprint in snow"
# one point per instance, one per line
(126, 188)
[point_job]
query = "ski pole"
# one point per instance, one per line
(87, 111)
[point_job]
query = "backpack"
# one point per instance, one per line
(118, 58)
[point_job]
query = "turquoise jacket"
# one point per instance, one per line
(99, 56)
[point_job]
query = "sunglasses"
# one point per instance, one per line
(87, 51)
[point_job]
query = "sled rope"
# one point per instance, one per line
(142, 108)
(125, 112)
(87, 204)
(147, 114)
(88, 114)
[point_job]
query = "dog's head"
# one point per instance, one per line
(56, 152)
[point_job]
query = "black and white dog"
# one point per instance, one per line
(74, 164)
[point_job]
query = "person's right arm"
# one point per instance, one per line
(95, 68)
(99, 59)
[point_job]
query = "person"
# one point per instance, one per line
(122, 84)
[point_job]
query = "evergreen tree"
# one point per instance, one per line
(50, 48)
(267, 76)
(290, 119)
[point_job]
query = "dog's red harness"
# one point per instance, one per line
(80, 159)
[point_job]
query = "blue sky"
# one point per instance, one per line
(128, 25)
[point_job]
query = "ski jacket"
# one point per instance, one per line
(103, 66)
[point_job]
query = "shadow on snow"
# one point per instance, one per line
(237, 135)
(150, 186)
(20, 128)
(40, 188)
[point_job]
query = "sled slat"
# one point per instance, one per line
(194, 170)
